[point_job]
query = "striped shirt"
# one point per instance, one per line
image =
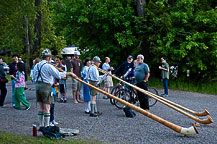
(47, 72)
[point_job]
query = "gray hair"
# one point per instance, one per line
(140, 56)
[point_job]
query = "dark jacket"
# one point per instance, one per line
(122, 69)
(2, 73)
(12, 70)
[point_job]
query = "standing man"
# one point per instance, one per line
(93, 78)
(142, 73)
(76, 68)
(164, 75)
(108, 83)
(123, 68)
(43, 74)
(12, 72)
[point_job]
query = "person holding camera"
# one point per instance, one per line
(164, 75)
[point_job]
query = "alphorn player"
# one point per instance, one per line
(43, 74)
(142, 73)
(93, 78)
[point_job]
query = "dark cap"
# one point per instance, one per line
(165, 58)
(130, 57)
(15, 55)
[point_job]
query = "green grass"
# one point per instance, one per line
(186, 85)
(7, 138)
(181, 84)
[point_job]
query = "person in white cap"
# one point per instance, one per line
(93, 78)
(43, 74)
(76, 68)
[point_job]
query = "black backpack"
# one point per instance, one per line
(52, 132)
(129, 112)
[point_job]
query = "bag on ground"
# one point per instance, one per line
(52, 132)
(129, 112)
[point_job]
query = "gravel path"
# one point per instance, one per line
(112, 126)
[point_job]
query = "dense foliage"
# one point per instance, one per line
(182, 30)
(18, 23)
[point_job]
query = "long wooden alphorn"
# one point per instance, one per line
(164, 101)
(186, 131)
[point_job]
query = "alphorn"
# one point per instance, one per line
(164, 101)
(186, 131)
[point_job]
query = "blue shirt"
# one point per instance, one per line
(93, 73)
(141, 71)
(106, 67)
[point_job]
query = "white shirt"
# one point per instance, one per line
(47, 73)
(93, 73)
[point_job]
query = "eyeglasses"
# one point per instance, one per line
(129, 58)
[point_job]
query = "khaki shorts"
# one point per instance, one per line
(93, 92)
(76, 85)
(108, 82)
(43, 92)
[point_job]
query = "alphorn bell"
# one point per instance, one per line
(186, 131)
(164, 101)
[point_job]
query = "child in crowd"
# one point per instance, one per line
(19, 87)
(62, 86)
(52, 121)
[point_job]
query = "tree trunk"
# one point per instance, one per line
(27, 44)
(37, 42)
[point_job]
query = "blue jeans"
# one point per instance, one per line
(165, 84)
(13, 91)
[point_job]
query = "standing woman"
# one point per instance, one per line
(86, 90)
(2, 84)
(108, 83)
(19, 87)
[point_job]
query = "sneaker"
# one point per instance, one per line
(51, 124)
(3, 106)
(105, 97)
(65, 101)
(54, 122)
(98, 113)
(87, 112)
(27, 108)
(93, 115)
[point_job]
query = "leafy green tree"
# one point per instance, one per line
(185, 32)
(101, 27)
(18, 24)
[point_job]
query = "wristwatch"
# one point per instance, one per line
(144, 80)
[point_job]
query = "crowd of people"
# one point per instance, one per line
(50, 75)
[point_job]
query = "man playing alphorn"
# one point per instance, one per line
(43, 74)
(93, 78)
